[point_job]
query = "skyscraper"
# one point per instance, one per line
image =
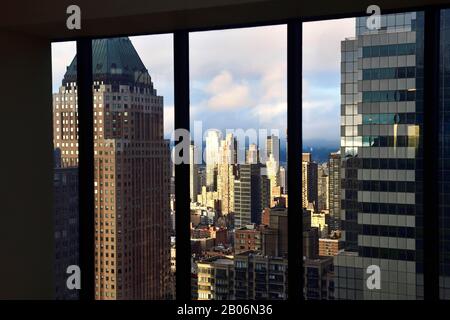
(283, 179)
(272, 166)
(273, 147)
(212, 141)
(226, 173)
(381, 150)
(252, 154)
(265, 192)
(194, 187)
(334, 191)
(323, 182)
(247, 195)
(132, 171)
(309, 181)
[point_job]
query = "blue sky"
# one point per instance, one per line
(238, 76)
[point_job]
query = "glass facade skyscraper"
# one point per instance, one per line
(381, 164)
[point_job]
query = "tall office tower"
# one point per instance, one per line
(265, 192)
(212, 143)
(132, 171)
(260, 277)
(309, 181)
(323, 182)
(65, 186)
(283, 179)
(273, 173)
(334, 191)
(226, 173)
(194, 187)
(247, 195)
(201, 176)
(382, 159)
(252, 154)
(273, 147)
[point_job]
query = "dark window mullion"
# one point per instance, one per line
(86, 168)
(182, 197)
(294, 128)
(431, 154)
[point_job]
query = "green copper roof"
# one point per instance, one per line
(113, 59)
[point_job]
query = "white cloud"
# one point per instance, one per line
(244, 71)
(266, 113)
(271, 114)
(156, 52)
(274, 82)
(226, 94)
(322, 43)
(244, 52)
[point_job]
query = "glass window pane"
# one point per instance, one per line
(65, 180)
(132, 98)
(238, 120)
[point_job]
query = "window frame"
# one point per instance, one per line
(294, 127)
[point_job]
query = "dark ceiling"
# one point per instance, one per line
(47, 18)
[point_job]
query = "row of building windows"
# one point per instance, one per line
(389, 95)
(389, 50)
(383, 163)
(67, 98)
(383, 186)
(389, 73)
(392, 254)
(66, 121)
(389, 231)
(64, 129)
(389, 141)
(66, 114)
(386, 208)
(135, 99)
(107, 270)
(392, 118)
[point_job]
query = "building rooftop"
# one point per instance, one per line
(111, 58)
(224, 261)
